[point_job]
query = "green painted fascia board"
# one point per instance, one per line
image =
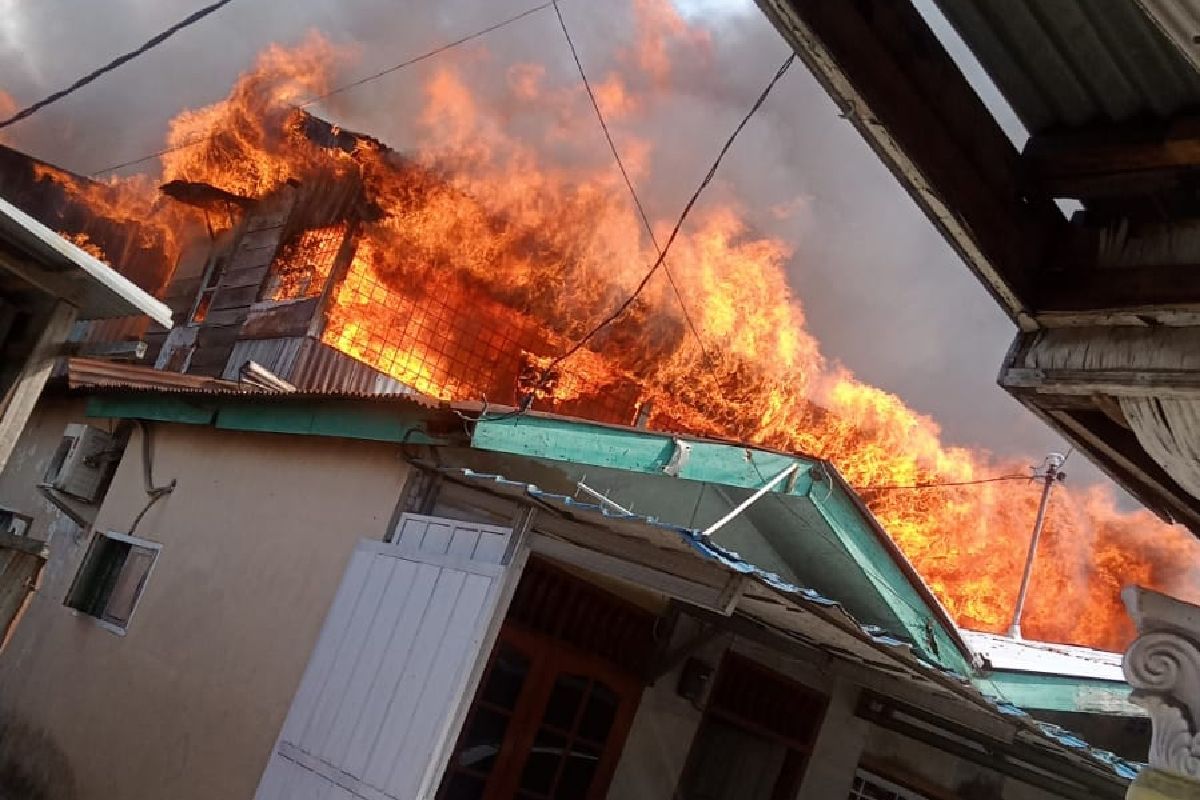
(381, 422)
(635, 451)
(354, 421)
(1037, 692)
(159, 408)
(880, 568)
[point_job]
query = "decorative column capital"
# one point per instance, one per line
(1163, 667)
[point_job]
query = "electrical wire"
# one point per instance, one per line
(429, 54)
(838, 548)
(940, 484)
(712, 171)
(191, 19)
(637, 202)
(338, 90)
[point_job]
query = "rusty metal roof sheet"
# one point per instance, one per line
(101, 375)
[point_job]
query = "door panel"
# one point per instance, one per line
(374, 713)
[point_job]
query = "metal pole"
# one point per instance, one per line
(1053, 462)
(604, 501)
(749, 501)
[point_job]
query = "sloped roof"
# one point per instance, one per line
(802, 614)
(95, 288)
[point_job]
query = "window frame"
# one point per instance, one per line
(21, 516)
(549, 659)
(87, 567)
(902, 792)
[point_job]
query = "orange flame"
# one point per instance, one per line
(487, 249)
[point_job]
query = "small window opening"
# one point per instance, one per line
(14, 523)
(112, 577)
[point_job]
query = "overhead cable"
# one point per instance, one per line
(353, 84)
(712, 171)
(940, 484)
(430, 54)
(191, 19)
(637, 202)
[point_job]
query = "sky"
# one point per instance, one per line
(883, 293)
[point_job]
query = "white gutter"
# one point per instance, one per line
(139, 301)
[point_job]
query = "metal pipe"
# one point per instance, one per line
(1052, 473)
(604, 501)
(749, 501)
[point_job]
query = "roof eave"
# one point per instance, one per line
(51, 250)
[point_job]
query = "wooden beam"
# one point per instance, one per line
(1145, 294)
(1116, 451)
(1113, 382)
(25, 390)
(895, 82)
(1114, 160)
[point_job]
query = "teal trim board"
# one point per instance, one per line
(159, 408)
(1039, 692)
(635, 450)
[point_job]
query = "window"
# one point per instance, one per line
(303, 266)
(872, 787)
(212, 279)
(14, 523)
(547, 723)
(111, 579)
(754, 741)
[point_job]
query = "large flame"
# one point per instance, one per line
(532, 238)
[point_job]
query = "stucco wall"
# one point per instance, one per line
(937, 774)
(254, 540)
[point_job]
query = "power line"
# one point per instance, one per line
(430, 54)
(191, 19)
(353, 84)
(939, 484)
(712, 171)
(612, 146)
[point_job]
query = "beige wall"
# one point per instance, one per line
(254, 540)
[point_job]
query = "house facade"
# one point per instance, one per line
(303, 595)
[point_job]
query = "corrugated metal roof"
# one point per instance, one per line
(312, 366)
(98, 373)
(1071, 63)
(114, 376)
(777, 602)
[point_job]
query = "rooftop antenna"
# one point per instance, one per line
(1050, 472)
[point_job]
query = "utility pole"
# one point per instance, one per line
(1051, 472)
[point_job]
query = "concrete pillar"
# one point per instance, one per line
(839, 746)
(1163, 667)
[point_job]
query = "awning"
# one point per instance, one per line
(50, 262)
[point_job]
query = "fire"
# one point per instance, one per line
(492, 251)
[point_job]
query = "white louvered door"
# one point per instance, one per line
(396, 663)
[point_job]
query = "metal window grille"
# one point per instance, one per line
(303, 265)
(453, 341)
